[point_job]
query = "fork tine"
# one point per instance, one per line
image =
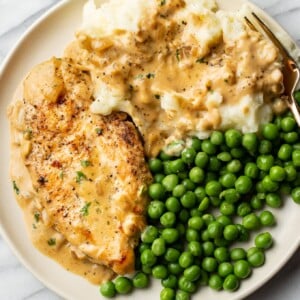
(271, 35)
(250, 24)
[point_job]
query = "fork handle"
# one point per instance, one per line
(294, 107)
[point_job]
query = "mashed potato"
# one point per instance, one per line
(179, 68)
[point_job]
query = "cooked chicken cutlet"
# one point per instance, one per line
(87, 172)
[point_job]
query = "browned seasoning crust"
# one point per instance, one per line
(88, 171)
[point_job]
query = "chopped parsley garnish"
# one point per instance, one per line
(85, 209)
(163, 2)
(201, 60)
(85, 163)
(99, 131)
(178, 54)
(52, 242)
(61, 174)
(28, 134)
(157, 96)
(80, 176)
(37, 217)
(16, 189)
(150, 75)
(139, 76)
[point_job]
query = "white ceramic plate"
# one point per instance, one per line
(47, 38)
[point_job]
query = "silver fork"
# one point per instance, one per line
(291, 72)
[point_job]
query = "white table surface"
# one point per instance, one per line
(16, 282)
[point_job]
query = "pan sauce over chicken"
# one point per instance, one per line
(82, 175)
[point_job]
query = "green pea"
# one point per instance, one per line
(251, 170)
(148, 258)
(227, 209)
(170, 235)
(231, 283)
(149, 234)
(201, 159)
(176, 166)
(269, 185)
(182, 295)
(204, 204)
(277, 173)
(167, 294)
(296, 195)
(169, 182)
(238, 153)
(173, 205)
(188, 155)
(179, 190)
(209, 264)
(270, 131)
(147, 269)
(217, 138)
(192, 273)
(215, 201)
(194, 212)
(211, 176)
(265, 147)
(158, 247)
(265, 162)
(297, 96)
(224, 220)
(188, 200)
(291, 137)
(188, 184)
(291, 173)
(200, 193)
(288, 124)
(251, 221)
(186, 259)
(273, 200)
(255, 257)
(215, 229)
(241, 269)
(263, 240)
(234, 166)
(208, 218)
(243, 184)
(233, 138)
(158, 178)
(184, 215)
(256, 202)
(285, 152)
(196, 143)
(170, 282)
(267, 218)
(123, 285)
(140, 280)
(159, 272)
(225, 268)
(215, 282)
(172, 255)
(213, 188)
(186, 285)
(197, 175)
(296, 158)
(192, 235)
(243, 233)
(164, 156)
(208, 147)
(231, 232)
(175, 268)
(230, 195)
(224, 156)
(208, 248)
(155, 165)
(156, 191)
(168, 219)
(108, 289)
(237, 254)
(250, 142)
(221, 254)
(196, 223)
(244, 209)
(194, 247)
(228, 180)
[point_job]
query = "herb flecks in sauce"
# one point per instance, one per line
(85, 209)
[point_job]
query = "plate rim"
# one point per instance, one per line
(5, 64)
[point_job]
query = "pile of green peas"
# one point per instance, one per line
(215, 193)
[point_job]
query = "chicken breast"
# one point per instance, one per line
(87, 172)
